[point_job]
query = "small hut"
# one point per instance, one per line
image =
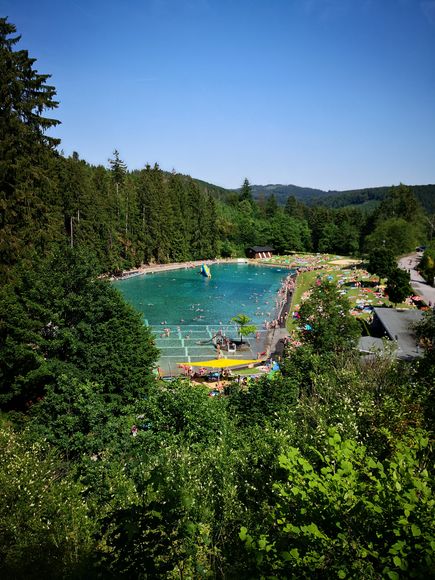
(259, 252)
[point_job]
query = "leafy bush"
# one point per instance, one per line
(348, 514)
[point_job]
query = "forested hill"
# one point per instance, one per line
(281, 192)
(424, 193)
(337, 199)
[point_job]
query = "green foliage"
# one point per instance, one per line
(128, 218)
(174, 480)
(58, 319)
(425, 332)
(400, 202)
(427, 265)
(75, 374)
(265, 400)
(244, 328)
(348, 514)
(118, 168)
(74, 416)
(183, 411)
(287, 234)
(45, 529)
(373, 401)
(294, 208)
(271, 206)
(339, 238)
(325, 320)
(372, 196)
(398, 286)
(26, 218)
(158, 529)
(245, 192)
(397, 234)
(381, 261)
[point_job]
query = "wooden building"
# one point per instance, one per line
(259, 252)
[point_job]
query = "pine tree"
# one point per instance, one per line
(25, 150)
(118, 169)
(294, 208)
(245, 192)
(179, 237)
(271, 206)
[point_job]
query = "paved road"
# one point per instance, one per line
(421, 287)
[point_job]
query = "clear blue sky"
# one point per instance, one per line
(334, 94)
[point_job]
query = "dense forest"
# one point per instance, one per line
(367, 197)
(324, 470)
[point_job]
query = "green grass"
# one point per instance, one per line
(306, 280)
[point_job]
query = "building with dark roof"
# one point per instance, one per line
(260, 252)
(398, 324)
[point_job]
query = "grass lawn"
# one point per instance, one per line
(346, 276)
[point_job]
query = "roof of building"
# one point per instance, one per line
(370, 344)
(261, 248)
(399, 326)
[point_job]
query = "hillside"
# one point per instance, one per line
(281, 192)
(369, 197)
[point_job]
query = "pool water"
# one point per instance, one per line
(195, 308)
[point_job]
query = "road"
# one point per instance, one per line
(420, 286)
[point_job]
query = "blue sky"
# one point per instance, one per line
(334, 94)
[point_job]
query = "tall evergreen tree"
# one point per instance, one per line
(271, 206)
(400, 202)
(245, 192)
(294, 208)
(24, 149)
(118, 170)
(179, 238)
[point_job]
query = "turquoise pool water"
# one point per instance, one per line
(194, 308)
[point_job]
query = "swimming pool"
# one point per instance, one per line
(195, 308)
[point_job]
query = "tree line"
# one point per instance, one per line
(129, 217)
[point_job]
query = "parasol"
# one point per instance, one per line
(220, 363)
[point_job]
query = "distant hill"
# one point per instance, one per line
(281, 192)
(336, 199)
(214, 190)
(368, 197)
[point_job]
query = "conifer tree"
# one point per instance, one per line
(24, 149)
(118, 169)
(294, 208)
(179, 238)
(271, 206)
(245, 192)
